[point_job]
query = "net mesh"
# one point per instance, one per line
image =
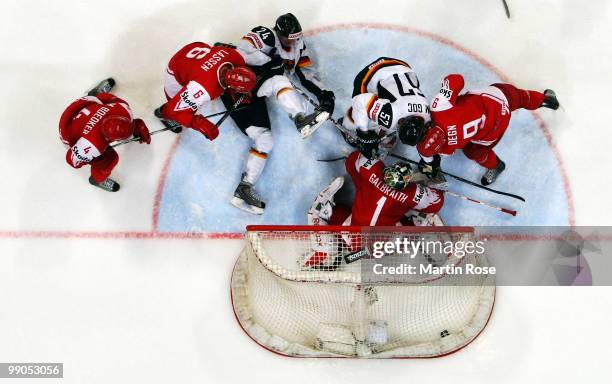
(295, 293)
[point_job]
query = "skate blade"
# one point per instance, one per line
(171, 125)
(105, 188)
(308, 130)
(104, 86)
(240, 204)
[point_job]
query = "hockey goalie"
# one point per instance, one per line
(385, 196)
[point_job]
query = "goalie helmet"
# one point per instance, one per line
(411, 129)
(398, 175)
(288, 29)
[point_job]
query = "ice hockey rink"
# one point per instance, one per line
(133, 287)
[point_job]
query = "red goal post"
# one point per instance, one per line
(341, 309)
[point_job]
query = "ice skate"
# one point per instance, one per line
(105, 86)
(108, 185)
(550, 100)
(308, 124)
(246, 199)
(168, 123)
(492, 174)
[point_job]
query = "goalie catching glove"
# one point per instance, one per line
(430, 169)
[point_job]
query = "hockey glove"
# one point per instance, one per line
(327, 101)
(276, 66)
(205, 127)
(141, 132)
(432, 169)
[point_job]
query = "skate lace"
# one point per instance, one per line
(252, 194)
(108, 183)
(490, 174)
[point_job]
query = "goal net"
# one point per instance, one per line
(328, 291)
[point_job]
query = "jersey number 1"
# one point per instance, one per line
(379, 206)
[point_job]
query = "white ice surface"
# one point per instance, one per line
(154, 310)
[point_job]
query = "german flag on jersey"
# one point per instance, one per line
(366, 74)
(304, 62)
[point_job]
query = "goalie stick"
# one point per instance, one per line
(459, 178)
(463, 197)
(462, 179)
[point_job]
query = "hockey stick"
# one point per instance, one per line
(233, 108)
(332, 159)
(342, 129)
(138, 138)
(462, 179)
(506, 8)
(167, 129)
(501, 209)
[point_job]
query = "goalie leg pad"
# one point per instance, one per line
(322, 207)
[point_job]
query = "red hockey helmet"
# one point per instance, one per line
(116, 127)
(240, 79)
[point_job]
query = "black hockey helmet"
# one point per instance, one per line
(398, 175)
(288, 28)
(411, 129)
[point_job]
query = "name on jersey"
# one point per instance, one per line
(387, 190)
(95, 119)
(417, 108)
(452, 135)
(214, 59)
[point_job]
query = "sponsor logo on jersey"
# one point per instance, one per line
(387, 190)
(420, 192)
(186, 100)
(95, 119)
(445, 90)
(255, 39)
(375, 109)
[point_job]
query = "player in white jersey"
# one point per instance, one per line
(387, 99)
(274, 54)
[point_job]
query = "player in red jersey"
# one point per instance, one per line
(196, 75)
(90, 124)
(385, 196)
(475, 122)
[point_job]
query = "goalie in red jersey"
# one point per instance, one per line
(474, 122)
(385, 196)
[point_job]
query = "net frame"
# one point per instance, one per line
(267, 338)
